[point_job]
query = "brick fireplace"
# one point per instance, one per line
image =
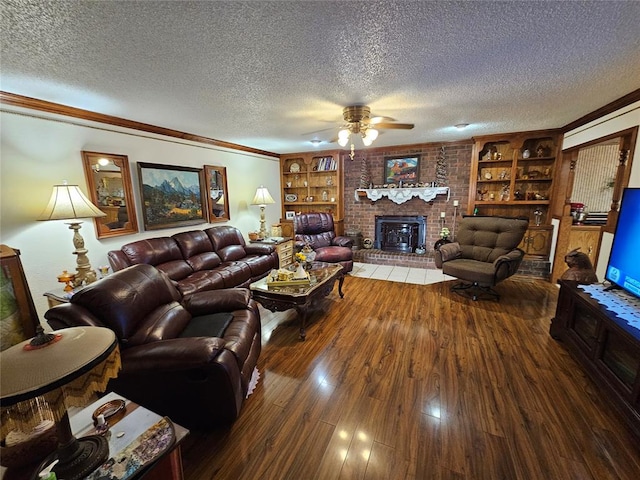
(361, 215)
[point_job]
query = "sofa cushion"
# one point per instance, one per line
(482, 272)
(197, 249)
(260, 265)
(161, 252)
(201, 281)
(227, 242)
(234, 274)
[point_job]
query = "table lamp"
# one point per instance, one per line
(67, 202)
(262, 198)
(53, 372)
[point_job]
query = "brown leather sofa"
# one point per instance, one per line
(200, 260)
(317, 230)
(190, 358)
(484, 254)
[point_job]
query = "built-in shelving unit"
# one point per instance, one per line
(512, 175)
(313, 182)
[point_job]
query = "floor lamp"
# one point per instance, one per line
(67, 202)
(51, 373)
(262, 199)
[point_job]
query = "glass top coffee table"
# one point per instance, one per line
(301, 297)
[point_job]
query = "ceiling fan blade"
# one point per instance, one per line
(397, 126)
(319, 131)
(375, 120)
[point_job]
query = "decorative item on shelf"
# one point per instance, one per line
(441, 168)
(329, 181)
(526, 154)
(67, 202)
(262, 199)
(288, 184)
(538, 214)
(43, 377)
(504, 193)
(291, 197)
(294, 168)
(66, 277)
(504, 175)
(540, 151)
(325, 196)
(276, 230)
(482, 193)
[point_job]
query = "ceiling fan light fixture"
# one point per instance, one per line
(371, 134)
(461, 126)
(367, 141)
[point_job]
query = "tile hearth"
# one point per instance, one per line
(418, 276)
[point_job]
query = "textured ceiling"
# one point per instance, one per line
(274, 75)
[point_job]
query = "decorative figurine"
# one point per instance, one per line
(580, 268)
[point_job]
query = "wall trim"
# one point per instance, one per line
(59, 109)
(602, 111)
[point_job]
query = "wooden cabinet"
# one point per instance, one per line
(537, 241)
(512, 175)
(587, 238)
(312, 182)
(606, 347)
(285, 252)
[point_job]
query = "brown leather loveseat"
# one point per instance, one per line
(199, 260)
(190, 358)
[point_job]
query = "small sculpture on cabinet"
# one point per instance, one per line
(580, 268)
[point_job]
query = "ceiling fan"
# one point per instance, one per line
(360, 121)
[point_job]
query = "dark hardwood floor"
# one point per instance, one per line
(400, 381)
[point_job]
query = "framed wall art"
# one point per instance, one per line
(401, 169)
(217, 193)
(172, 196)
(110, 189)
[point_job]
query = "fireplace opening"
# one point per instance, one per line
(397, 233)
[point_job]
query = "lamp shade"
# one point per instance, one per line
(68, 202)
(66, 372)
(263, 197)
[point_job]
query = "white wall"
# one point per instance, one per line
(622, 119)
(39, 150)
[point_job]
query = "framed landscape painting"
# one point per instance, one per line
(401, 169)
(171, 196)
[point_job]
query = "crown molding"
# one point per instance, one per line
(59, 109)
(622, 102)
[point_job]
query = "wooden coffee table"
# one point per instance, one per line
(278, 299)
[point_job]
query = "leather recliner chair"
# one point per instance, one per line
(485, 253)
(190, 358)
(318, 231)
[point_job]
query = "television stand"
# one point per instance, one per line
(607, 347)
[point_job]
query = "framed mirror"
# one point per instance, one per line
(109, 184)
(217, 193)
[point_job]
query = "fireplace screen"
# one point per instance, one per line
(400, 233)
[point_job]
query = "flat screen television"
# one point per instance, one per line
(623, 269)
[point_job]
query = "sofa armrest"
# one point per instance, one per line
(446, 252)
(259, 249)
(508, 264)
(68, 315)
(341, 241)
(212, 301)
(171, 355)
